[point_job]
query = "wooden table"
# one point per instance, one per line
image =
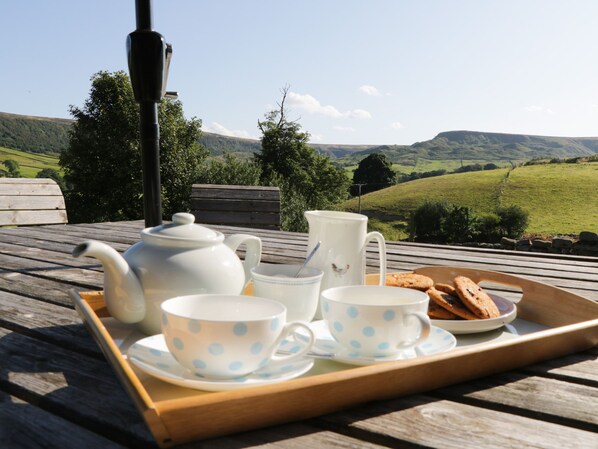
(57, 390)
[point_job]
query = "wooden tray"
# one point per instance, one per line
(551, 323)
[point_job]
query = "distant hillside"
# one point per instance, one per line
(505, 146)
(560, 198)
(29, 163)
(218, 144)
(33, 134)
(48, 135)
(482, 146)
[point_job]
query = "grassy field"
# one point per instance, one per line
(560, 198)
(29, 163)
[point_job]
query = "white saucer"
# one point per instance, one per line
(326, 346)
(508, 312)
(151, 355)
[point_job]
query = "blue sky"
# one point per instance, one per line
(359, 72)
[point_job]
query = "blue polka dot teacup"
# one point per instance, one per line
(376, 320)
(228, 336)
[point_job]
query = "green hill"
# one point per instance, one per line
(447, 150)
(29, 163)
(560, 198)
(33, 134)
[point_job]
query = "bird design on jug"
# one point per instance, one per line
(339, 266)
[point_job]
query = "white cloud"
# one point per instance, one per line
(344, 128)
(370, 90)
(359, 113)
(396, 125)
(316, 138)
(313, 106)
(217, 128)
(539, 109)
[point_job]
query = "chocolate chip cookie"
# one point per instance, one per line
(436, 312)
(475, 298)
(409, 280)
(451, 303)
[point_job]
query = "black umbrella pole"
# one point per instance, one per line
(150, 159)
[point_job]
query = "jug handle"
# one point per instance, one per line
(381, 253)
(253, 254)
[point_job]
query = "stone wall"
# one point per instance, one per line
(586, 245)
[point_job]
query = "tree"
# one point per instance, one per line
(440, 222)
(14, 170)
(426, 222)
(376, 172)
(102, 163)
(512, 221)
(52, 174)
(304, 177)
(460, 224)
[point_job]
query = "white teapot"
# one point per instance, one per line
(175, 259)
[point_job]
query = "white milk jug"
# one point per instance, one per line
(341, 255)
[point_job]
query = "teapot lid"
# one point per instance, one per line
(183, 229)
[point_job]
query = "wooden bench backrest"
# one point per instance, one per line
(31, 201)
(247, 206)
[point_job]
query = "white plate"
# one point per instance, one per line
(327, 347)
(508, 312)
(151, 355)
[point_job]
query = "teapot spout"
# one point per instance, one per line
(122, 291)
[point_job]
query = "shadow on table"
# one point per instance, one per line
(77, 397)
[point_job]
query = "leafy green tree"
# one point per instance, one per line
(426, 222)
(513, 221)
(307, 179)
(440, 222)
(14, 170)
(181, 156)
(488, 228)
(230, 170)
(52, 174)
(375, 172)
(459, 225)
(102, 162)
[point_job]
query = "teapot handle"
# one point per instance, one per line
(253, 254)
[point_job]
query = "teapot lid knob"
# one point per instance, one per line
(183, 218)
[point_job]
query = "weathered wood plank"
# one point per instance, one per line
(30, 252)
(231, 192)
(39, 235)
(29, 186)
(581, 367)
(252, 218)
(36, 217)
(565, 402)
(37, 202)
(48, 322)
(80, 388)
(248, 205)
(46, 290)
(68, 276)
(25, 201)
(425, 421)
(291, 436)
(25, 426)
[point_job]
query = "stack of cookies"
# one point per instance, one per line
(464, 299)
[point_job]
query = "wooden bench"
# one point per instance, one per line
(247, 206)
(31, 201)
